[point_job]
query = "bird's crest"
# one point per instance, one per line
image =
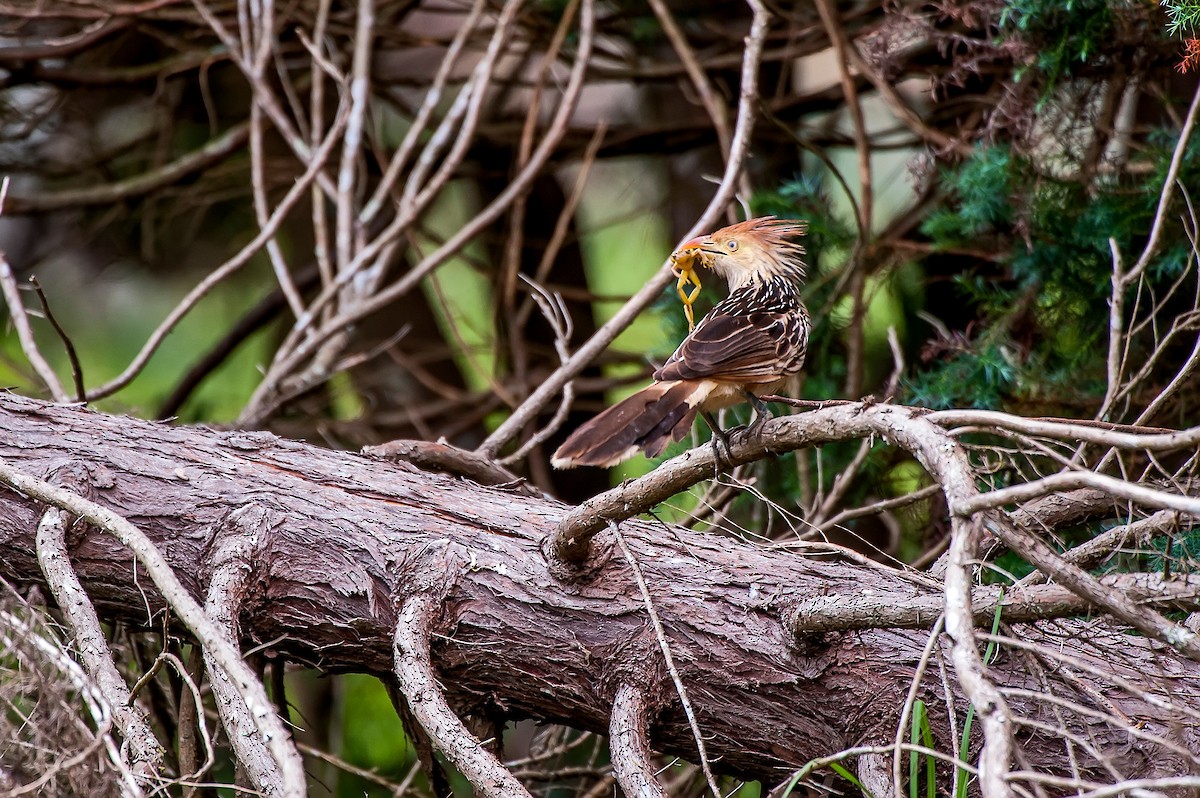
(773, 237)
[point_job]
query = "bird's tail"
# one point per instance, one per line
(647, 421)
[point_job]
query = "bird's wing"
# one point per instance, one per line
(760, 346)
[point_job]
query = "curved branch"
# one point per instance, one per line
(234, 549)
(20, 320)
(940, 455)
(629, 745)
(418, 683)
(266, 722)
(266, 233)
(146, 752)
(221, 147)
(261, 402)
(1070, 480)
(1118, 436)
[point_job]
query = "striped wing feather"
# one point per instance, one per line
(754, 347)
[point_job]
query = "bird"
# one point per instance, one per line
(744, 348)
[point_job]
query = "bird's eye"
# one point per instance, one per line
(732, 245)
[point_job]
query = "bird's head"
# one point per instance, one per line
(754, 250)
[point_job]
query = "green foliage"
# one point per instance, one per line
(1183, 16)
(982, 187)
(1041, 324)
(372, 736)
(1169, 552)
(979, 377)
(1063, 33)
(921, 734)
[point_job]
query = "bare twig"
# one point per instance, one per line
(265, 233)
(68, 346)
(668, 660)
(691, 64)
(1118, 602)
(135, 187)
(649, 292)
(20, 320)
(293, 352)
(1091, 552)
(838, 612)
(1069, 480)
(555, 312)
(897, 787)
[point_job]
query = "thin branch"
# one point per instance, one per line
(223, 146)
(1168, 189)
(421, 120)
(20, 320)
(841, 612)
(896, 786)
(668, 660)
(714, 107)
(265, 233)
(1119, 436)
(555, 312)
(68, 345)
(1118, 602)
(1069, 480)
(296, 352)
(1091, 552)
(545, 392)
(360, 90)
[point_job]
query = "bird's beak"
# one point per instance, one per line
(703, 244)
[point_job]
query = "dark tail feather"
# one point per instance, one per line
(649, 420)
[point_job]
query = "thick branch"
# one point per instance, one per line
(512, 640)
(236, 544)
(1018, 604)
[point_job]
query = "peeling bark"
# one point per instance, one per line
(352, 538)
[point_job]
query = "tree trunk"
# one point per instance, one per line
(345, 539)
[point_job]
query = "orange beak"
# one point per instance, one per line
(694, 249)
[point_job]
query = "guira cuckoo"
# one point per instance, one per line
(746, 347)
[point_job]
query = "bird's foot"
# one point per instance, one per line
(761, 414)
(719, 438)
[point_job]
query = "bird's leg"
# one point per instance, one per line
(718, 436)
(761, 413)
